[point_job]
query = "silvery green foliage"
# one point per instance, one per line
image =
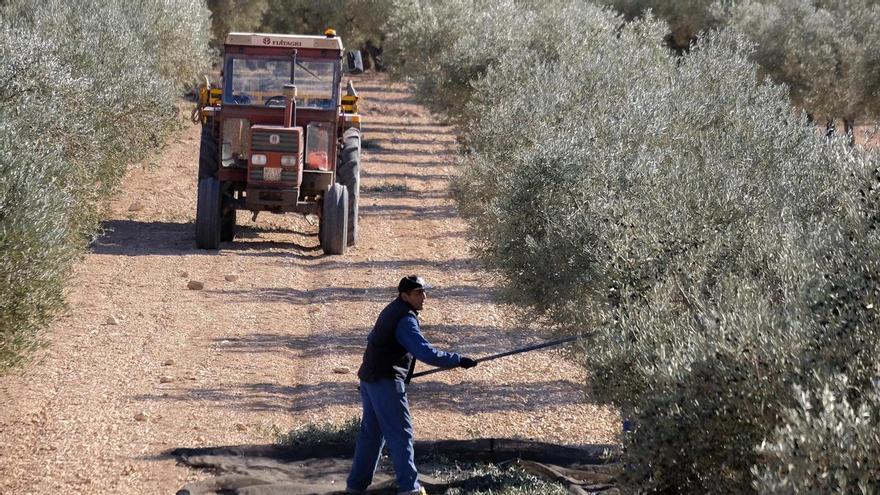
(444, 45)
(826, 444)
(242, 15)
(828, 53)
(38, 184)
(681, 211)
(180, 31)
(34, 239)
(85, 89)
(825, 50)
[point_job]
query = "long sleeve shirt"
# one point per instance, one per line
(410, 337)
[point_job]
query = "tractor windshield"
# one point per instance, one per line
(260, 81)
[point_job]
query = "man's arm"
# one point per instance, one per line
(409, 336)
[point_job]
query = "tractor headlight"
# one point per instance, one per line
(288, 160)
(258, 159)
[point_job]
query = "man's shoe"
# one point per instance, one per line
(420, 491)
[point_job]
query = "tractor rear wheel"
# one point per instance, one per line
(209, 153)
(333, 226)
(348, 174)
(208, 214)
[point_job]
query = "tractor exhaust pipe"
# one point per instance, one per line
(290, 105)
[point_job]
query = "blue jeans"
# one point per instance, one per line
(385, 419)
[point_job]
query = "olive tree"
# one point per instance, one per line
(443, 46)
(86, 88)
(826, 52)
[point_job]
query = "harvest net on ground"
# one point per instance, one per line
(322, 469)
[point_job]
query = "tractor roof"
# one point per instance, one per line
(284, 41)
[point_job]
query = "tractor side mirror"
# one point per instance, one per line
(354, 62)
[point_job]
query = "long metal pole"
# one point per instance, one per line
(503, 354)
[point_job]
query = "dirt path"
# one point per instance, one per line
(246, 357)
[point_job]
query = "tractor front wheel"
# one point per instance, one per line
(348, 173)
(333, 226)
(208, 214)
(209, 153)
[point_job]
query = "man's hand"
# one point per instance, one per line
(467, 362)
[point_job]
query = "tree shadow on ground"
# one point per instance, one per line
(474, 397)
(351, 342)
(407, 162)
(461, 234)
(138, 238)
(388, 149)
(433, 164)
(455, 264)
(405, 176)
(324, 344)
(463, 398)
(264, 397)
(374, 120)
(420, 211)
(387, 97)
(292, 295)
(391, 160)
(289, 249)
(371, 193)
(390, 142)
(389, 128)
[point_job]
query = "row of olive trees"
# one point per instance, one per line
(826, 51)
(235, 15)
(721, 253)
(85, 89)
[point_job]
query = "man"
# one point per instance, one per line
(392, 347)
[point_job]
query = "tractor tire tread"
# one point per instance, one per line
(208, 214)
(348, 174)
(209, 154)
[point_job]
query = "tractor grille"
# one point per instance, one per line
(287, 141)
(287, 174)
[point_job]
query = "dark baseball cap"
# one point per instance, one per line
(412, 282)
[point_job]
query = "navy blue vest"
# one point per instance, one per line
(384, 356)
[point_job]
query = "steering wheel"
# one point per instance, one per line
(241, 99)
(275, 100)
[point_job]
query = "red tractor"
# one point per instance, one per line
(279, 136)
